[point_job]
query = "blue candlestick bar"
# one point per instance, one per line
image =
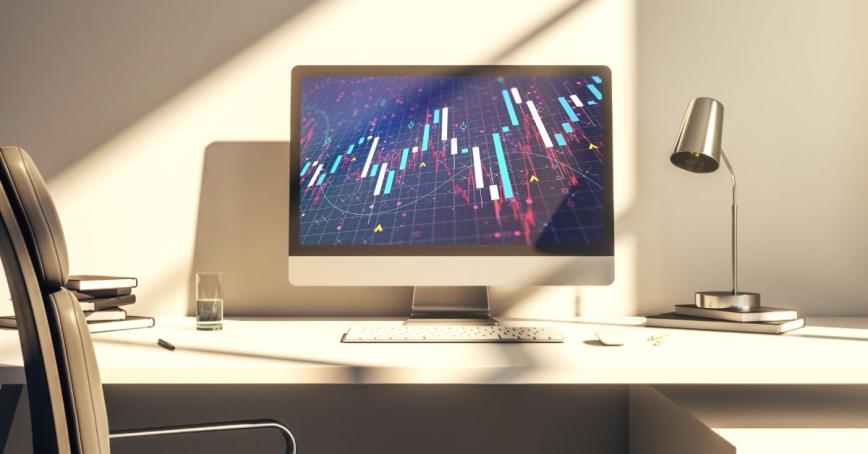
(389, 180)
(501, 165)
(567, 108)
(425, 137)
(404, 159)
(509, 108)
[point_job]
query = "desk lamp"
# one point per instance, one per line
(698, 150)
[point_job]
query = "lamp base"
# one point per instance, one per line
(741, 301)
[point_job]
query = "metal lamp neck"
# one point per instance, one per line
(731, 175)
(734, 225)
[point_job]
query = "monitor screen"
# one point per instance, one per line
(457, 163)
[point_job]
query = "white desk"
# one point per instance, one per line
(297, 371)
(293, 351)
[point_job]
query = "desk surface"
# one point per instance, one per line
(828, 351)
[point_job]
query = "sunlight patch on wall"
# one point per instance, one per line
(130, 207)
(604, 32)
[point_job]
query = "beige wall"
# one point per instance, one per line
(119, 102)
(792, 76)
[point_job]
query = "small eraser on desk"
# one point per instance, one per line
(611, 338)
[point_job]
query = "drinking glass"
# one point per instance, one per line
(209, 301)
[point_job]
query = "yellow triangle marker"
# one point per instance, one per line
(354, 158)
(533, 178)
(591, 146)
(378, 228)
(423, 165)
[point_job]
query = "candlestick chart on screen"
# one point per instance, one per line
(452, 160)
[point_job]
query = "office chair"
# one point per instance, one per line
(67, 408)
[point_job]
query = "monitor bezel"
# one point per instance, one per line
(377, 250)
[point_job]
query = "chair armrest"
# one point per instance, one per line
(210, 427)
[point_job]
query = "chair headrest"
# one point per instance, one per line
(37, 217)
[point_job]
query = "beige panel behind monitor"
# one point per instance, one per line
(242, 231)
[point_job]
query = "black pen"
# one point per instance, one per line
(165, 344)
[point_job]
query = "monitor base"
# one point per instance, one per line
(451, 306)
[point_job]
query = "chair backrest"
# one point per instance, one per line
(67, 407)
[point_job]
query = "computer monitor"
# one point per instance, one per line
(446, 176)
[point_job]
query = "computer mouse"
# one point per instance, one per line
(612, 338)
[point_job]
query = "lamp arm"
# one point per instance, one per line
(734, 225)
(731, 174)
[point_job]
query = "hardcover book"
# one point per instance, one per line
(87, 282)
(761, 314)
(673, 320)
(103, 293)
(105, 303)
(130, 322)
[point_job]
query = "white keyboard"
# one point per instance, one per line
(450, 333)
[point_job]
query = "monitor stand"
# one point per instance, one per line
(451, 305)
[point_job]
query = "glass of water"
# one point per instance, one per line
(209, 301)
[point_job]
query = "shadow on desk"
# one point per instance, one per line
(236, 353)
(602, 321)
(843, 328)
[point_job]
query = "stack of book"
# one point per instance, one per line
(764, 320)
(103, 301)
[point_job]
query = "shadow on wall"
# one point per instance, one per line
(86, 89)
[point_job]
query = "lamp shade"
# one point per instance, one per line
(697, 148)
